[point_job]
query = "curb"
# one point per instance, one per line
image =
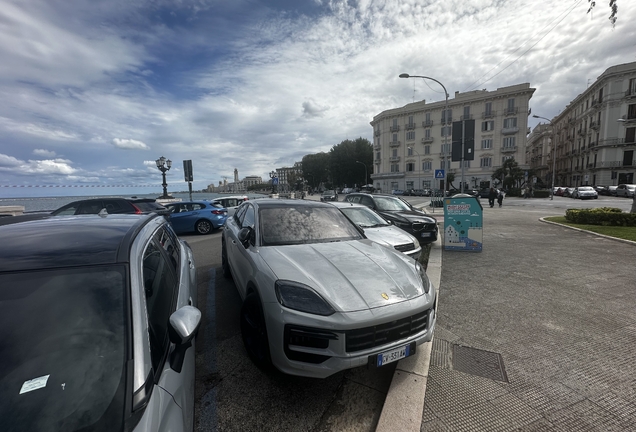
(404, 404)
(542, 219)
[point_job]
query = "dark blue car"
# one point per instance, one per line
(201, 217)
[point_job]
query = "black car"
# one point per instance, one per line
(400, 213)
(97, 321)
(329, 195)
(112, 206)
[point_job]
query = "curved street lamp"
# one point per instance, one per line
(553, 154)
(164, 165)
(405, 75)
(365, 172)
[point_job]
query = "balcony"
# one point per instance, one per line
(394, 159)
(466, 117)
(580, 133)
(447, 120)
(575, 151)
(511, 111)
(427, 140)
(572, 120)
(409, 126)
(394, 144)
(427, 123)
(509, 149)
(596, 103)
(509, 131)
(445, 153)
(488, 114)
(595, 125)
(377, 132)
(377, 147)
(395, 128)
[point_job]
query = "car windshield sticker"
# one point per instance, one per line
(34, 384)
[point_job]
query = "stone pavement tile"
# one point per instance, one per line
(465, 389)
(481, 417)
(584, 416)
(515, 411)
(541, 425)
(430, 422)
(622, 409)
(540, 393)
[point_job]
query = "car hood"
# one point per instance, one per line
(389, 235)
(351, 276)
(407, 215)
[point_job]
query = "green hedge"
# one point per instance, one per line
(607, 216)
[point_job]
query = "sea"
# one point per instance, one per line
(39, 204)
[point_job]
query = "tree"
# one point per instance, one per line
(344, 168)
(450, 178)
(316, 168)
(613, 8)
(510, 175)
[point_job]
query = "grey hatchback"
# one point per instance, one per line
(97, 322)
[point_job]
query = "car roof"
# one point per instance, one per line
(346, 204)
(68, 241)
(273, 202)
(231, 196)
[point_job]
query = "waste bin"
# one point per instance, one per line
(463, 223)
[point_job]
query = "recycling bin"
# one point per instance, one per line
(463, 223)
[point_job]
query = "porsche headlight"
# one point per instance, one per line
(425, 282)
(302, 298)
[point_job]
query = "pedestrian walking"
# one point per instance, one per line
(500, 197)
(492, 196)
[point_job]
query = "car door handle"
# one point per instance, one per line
(191, 264)
(190, 301)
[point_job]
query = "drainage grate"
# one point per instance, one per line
(479, 362)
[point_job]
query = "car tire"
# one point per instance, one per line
(224, 264)
(254, 332)
(203, 227)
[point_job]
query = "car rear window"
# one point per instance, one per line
(148, 206)
(63, 345)
(303, 225)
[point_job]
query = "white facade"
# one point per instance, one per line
(595, 134)
(411, 142)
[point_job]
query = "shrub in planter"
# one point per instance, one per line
(607, 216)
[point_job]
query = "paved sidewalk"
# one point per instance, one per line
(537, 332)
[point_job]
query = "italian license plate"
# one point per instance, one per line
(426, 234)
(395, 354)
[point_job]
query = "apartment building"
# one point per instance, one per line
(538, 148)
(595, 135)
(411, 142)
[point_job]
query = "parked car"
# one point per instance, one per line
(380, 230)
(329, 195)
(585, 192)
(600, 189)
(318, 296)
(611, 190)
(400, 213)
(98, 319)
(112, 206)
(568, 192)
(231, 203)
(625, 190)
(201, 217)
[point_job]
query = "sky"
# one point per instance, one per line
(94, 91)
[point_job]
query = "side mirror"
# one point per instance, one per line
(244, 235)
(182, 329)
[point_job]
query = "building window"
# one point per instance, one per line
(410, 135)
(466, 164)
(395, 168)
(488, 125)
(409, 185)
(509, 142)
(410, 166)
(631, 112)
(428, 118)
(427, 166)
(394, 138)
(510, 123)
(427, 149)
(409, 151)
(394, 153)
(486, 144)
(447, 116)
(395, 123)
(427, 133)
(511, 104)
(466, 112)
(377, 155)
(411, 124)
(446, 131)
(446, 148)
(426, 184)
(488, 108)
(485, 162)
(505, 158)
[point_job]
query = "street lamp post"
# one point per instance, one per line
(553, 154)
(419, 171)
(164, 165)
(365, 172)
(405, 75)
(273, 176)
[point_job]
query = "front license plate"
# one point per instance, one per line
(426, 234)
(395, 354)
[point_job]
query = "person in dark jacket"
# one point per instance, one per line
(492, 196)
(500, 197)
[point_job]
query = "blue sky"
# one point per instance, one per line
(93, 91)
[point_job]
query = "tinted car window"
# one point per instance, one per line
(238, 216)
(92, 207)
(364, 217)
(160, 289)
(390, 204)
(168, 240)
(63, 349)
(366, 201)
(289, 225)
(248, 219)
(116, 206)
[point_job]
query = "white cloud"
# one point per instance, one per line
(44, 153)
(129, 144)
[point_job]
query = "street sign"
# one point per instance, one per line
(439, 174)
(275, 181)
(187, 170)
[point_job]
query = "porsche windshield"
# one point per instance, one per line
(304, 224)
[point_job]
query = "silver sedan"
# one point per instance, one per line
(380, 230)
(318, 296)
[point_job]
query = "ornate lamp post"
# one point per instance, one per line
(553, 154)
(164, 165)
(405, 75)
(273, 176)
(365, 172)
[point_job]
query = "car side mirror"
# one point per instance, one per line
(244, 236)
(182, 329)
